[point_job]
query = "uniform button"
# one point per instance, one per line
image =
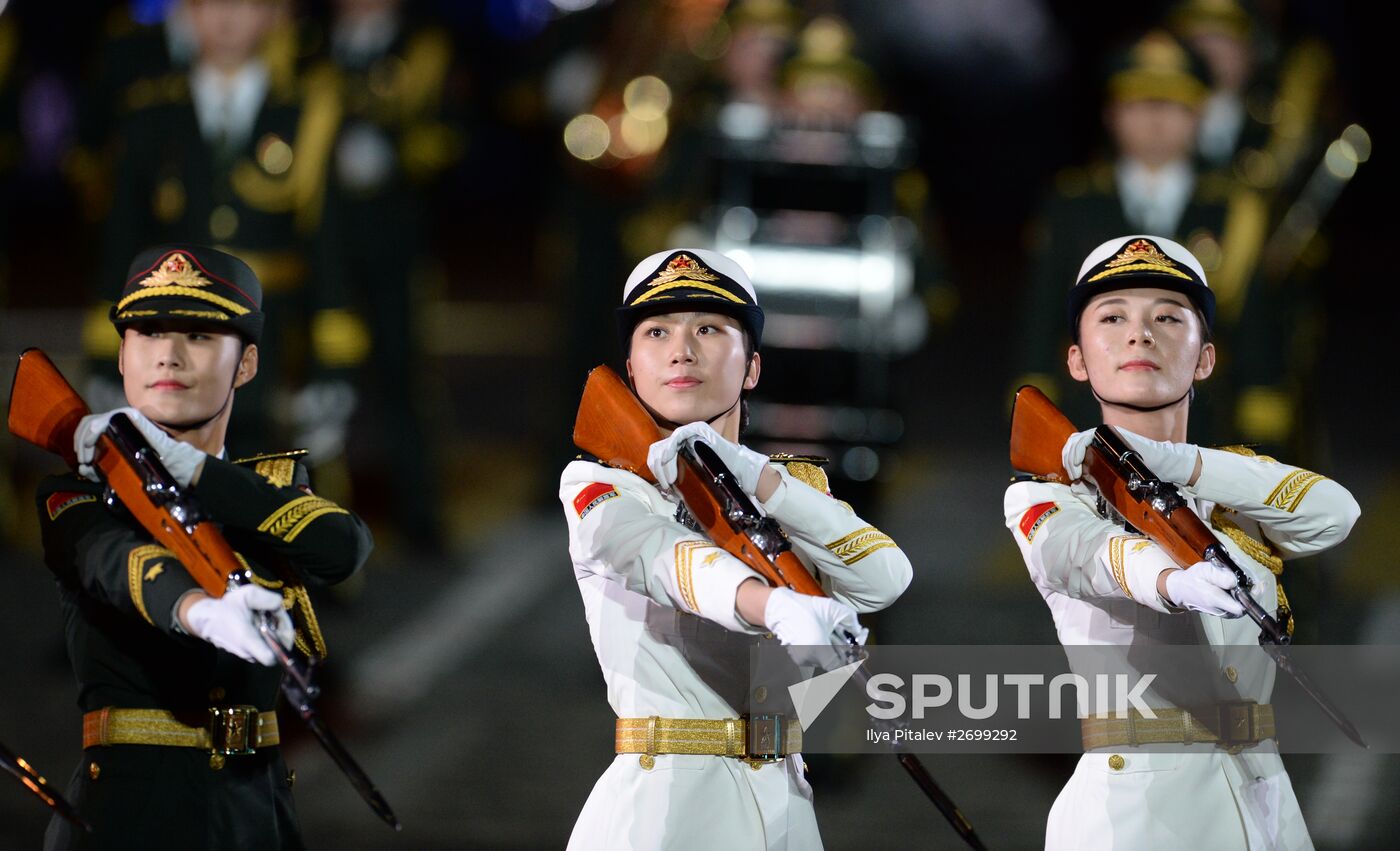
(1116, 762)
(94, 770)
(216, 693)
(1231, 674)
(291, 778)
(216, 761)
(646, 761)
(760, 694)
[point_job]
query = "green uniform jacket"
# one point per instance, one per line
(118, 591)
(263, 201)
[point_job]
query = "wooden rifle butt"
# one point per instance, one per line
(1038, 434)
(44, 407)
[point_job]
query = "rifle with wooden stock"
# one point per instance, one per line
(613, 426)
(1152, 506)
(46, 411)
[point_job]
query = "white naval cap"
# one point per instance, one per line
(689, 279)
(1141, 260)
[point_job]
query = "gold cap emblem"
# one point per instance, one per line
(682, 266)
(1140, 256)
(175, 270)
(1141, 251)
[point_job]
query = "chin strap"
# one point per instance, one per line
(737, 399)
(1147, 409)
(672, 426)
(726, 411)
(667, 424)
(1144, 409)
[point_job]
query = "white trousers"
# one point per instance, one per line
(1208, 801)
(698, 803)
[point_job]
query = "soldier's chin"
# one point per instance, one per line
(684, 414)
(1147, 397)
(173, 417)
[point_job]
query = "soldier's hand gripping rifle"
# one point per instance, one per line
(45, 410)
(1155, 508)
(17, 767)
(613, 425)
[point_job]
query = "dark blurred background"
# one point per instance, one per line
(443, 200)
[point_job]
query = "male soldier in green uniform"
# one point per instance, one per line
(166, 674)
(392, 74)
(229, 154)
(1264, 117)
(134, 58)
(1264, 122)
(1150, 186)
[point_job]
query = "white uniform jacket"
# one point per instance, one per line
(659, 599)
(1100, 584)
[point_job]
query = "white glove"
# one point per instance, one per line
(179, 458)
(813, 625)
(1171, 462)
(1204, 587)
(744, 463)
(230, 622)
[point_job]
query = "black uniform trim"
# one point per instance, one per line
(94, 550)
(322, 542)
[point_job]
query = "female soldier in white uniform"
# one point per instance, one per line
(1140, 314)
(672, 616)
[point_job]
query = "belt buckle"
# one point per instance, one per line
(767, 737)
(1238, 728)
(233, 730)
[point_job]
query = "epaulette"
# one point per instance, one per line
(279, 468)
(271, 456)
(1028, 477)
(805, 468)
(594, 459)
(1248, 450)
(789, 458)
(1245, 449)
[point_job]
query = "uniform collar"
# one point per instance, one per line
(1222, 120)
(228, 105)
(1153, 201)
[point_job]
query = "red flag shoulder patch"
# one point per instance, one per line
(592, 496)
(1035, 517)
(63, 500)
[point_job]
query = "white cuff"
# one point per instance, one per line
(1136, 562)
(774, 503)
(711, 588)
